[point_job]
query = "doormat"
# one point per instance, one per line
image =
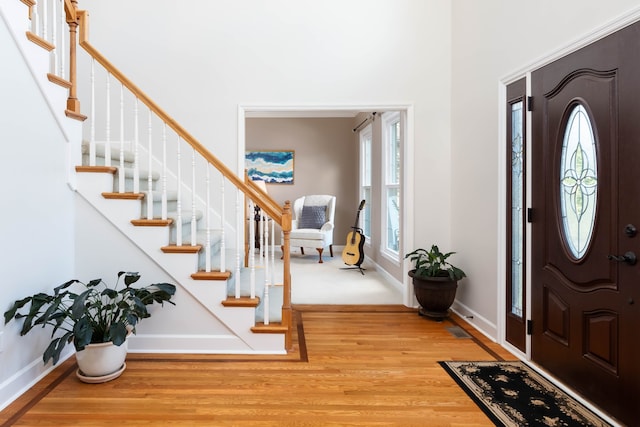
(512, 394)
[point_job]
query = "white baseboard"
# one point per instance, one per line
(20, 382)
(195, 344)
(474, 319)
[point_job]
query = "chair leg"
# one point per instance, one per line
(302, 250)
(331, 250)
(320, 253)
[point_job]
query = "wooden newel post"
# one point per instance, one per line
(287, 311)
(73, 104)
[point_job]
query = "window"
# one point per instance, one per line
(365, 179)
(392, 143)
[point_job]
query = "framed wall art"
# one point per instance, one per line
(270, 166)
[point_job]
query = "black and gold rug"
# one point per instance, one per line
(512, 394)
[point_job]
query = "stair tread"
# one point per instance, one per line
(241, 302)
(271, 328)
(184, 249)
(212, 275)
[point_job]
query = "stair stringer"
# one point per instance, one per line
(209, 294)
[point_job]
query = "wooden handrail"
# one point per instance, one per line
(266, 203)
(70, 8)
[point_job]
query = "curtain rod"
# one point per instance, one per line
(371, 117)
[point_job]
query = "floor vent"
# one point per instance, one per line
(458, 332)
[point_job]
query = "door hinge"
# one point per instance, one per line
(529, 327)
(529, 103)
(529, 214)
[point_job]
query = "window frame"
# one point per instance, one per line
(366, 138)
(391, 181)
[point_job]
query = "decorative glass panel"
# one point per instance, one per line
(578, 182)
(517, 206)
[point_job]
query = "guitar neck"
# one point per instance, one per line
(355, 226)
(355, 229)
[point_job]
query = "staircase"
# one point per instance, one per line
(163, 207)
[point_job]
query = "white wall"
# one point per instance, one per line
(200, 62)
(493, 40)
(37, 219)
(445, 59)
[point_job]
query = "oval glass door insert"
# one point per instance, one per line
(578, 182)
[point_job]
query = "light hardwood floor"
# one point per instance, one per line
(352, 366)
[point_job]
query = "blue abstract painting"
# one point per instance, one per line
(274, 167)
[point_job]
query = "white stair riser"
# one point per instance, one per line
(172, 206)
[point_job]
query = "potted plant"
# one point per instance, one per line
(435, 281)
(95, 317)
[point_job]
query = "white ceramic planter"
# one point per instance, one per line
(101, 362)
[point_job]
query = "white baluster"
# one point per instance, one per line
(92, 129)
(150, 165)
(44, 19)
(164, 172)
(136, 151)
(265, 243)
(265, 305)
(223, 238)
(240, 221)
(260, 231)
(252, 255)
(107, 143)
(35, 19)
(179, 202)
(54, 30)
(194, 221)
(207, 249)
(273, 251)
(62, 44)
(121, 174)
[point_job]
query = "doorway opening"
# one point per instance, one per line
(330, 168)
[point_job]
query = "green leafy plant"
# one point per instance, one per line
(433, 263)
(97, 314)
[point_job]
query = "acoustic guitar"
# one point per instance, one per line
(353, 253)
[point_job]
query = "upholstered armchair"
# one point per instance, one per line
(312, 224)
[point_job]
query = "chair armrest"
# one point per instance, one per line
(327, 226)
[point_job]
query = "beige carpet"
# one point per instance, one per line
(326, 283)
